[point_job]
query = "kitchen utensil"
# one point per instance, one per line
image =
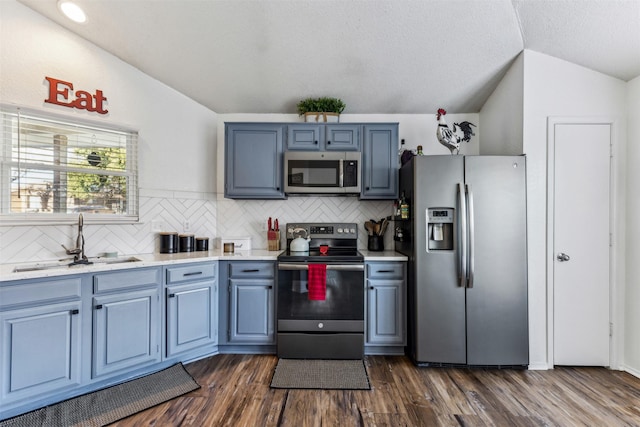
(368, 225)
(383, 227)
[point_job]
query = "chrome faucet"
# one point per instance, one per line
(78, 252)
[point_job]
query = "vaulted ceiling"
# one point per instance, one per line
(379, 56)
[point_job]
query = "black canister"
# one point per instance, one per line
(202, 243)
(375, 243)
(168, 243)
(187, 242)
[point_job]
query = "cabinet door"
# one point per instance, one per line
(253, 161)
(191, 316)
(380, 162)
(342, 137)
(305, 137)
(40, 349)
(251, 311)
(385, 312)
(126, 330)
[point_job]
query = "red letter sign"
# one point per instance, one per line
(83, 99)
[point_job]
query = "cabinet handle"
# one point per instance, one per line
(367, 188)
(384, 271)
(98, 307)
(315, 142)
(76, 311)
(195, 273)
(328, 142)
(371, 287)
(172, 295)
(270, 287)
(251, 271)
(277, 188)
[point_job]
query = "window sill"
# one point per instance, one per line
(65, 219)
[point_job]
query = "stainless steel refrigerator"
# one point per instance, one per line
(466, 243)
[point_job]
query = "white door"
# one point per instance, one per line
(581, 244)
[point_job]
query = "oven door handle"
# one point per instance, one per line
(337, 267)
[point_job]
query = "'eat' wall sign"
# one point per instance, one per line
(61, 93)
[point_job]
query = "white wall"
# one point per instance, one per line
(553, 87)
(501, 117)
(632, 291)
(177, 136)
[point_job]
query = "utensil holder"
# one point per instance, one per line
(376, 243)
(273, 240)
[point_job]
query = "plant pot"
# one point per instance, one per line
(321, 117)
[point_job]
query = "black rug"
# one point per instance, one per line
(111, 404)
(321, 374)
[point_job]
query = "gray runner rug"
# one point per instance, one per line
(321, 374)
(111, 404)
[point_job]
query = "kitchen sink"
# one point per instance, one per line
(69, 264)
(103, 260)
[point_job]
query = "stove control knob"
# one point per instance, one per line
(320, 325)
(339, 230)
(353, 231)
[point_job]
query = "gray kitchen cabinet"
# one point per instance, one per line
(323, 137)
(126, 320)
(192, 307)
(40, 337)
(251, 288)
(380, 161)
(386, 302)
(253, 160)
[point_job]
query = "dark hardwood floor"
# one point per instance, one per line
(235, 392)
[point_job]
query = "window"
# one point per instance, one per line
(53, 169)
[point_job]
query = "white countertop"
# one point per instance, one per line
(152, 260)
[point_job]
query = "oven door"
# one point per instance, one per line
(341, 311)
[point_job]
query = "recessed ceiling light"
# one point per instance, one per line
(72, 11)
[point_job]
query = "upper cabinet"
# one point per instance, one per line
(380, 161)
(323, 137)
(253, 160)
(254, 155)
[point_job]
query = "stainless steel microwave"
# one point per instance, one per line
(322, 172)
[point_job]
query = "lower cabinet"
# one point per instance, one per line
(386, 302)
(126, 320)
(192, 307)
(40, 349)
(40, 338)
(251, 309)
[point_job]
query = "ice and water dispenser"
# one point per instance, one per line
(440, 229)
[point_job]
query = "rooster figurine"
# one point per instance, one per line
(448, 137)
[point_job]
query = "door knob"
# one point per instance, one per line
(563, 257)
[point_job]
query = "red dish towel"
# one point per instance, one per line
(317, 282)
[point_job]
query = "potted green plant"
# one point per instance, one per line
(326, 109)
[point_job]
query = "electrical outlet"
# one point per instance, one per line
(157, 225)
(186, 225)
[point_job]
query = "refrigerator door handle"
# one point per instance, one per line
(462, 237)
(471, 267)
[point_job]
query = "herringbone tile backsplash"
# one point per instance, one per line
(207, 217)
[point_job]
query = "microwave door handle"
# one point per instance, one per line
(341, 172)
